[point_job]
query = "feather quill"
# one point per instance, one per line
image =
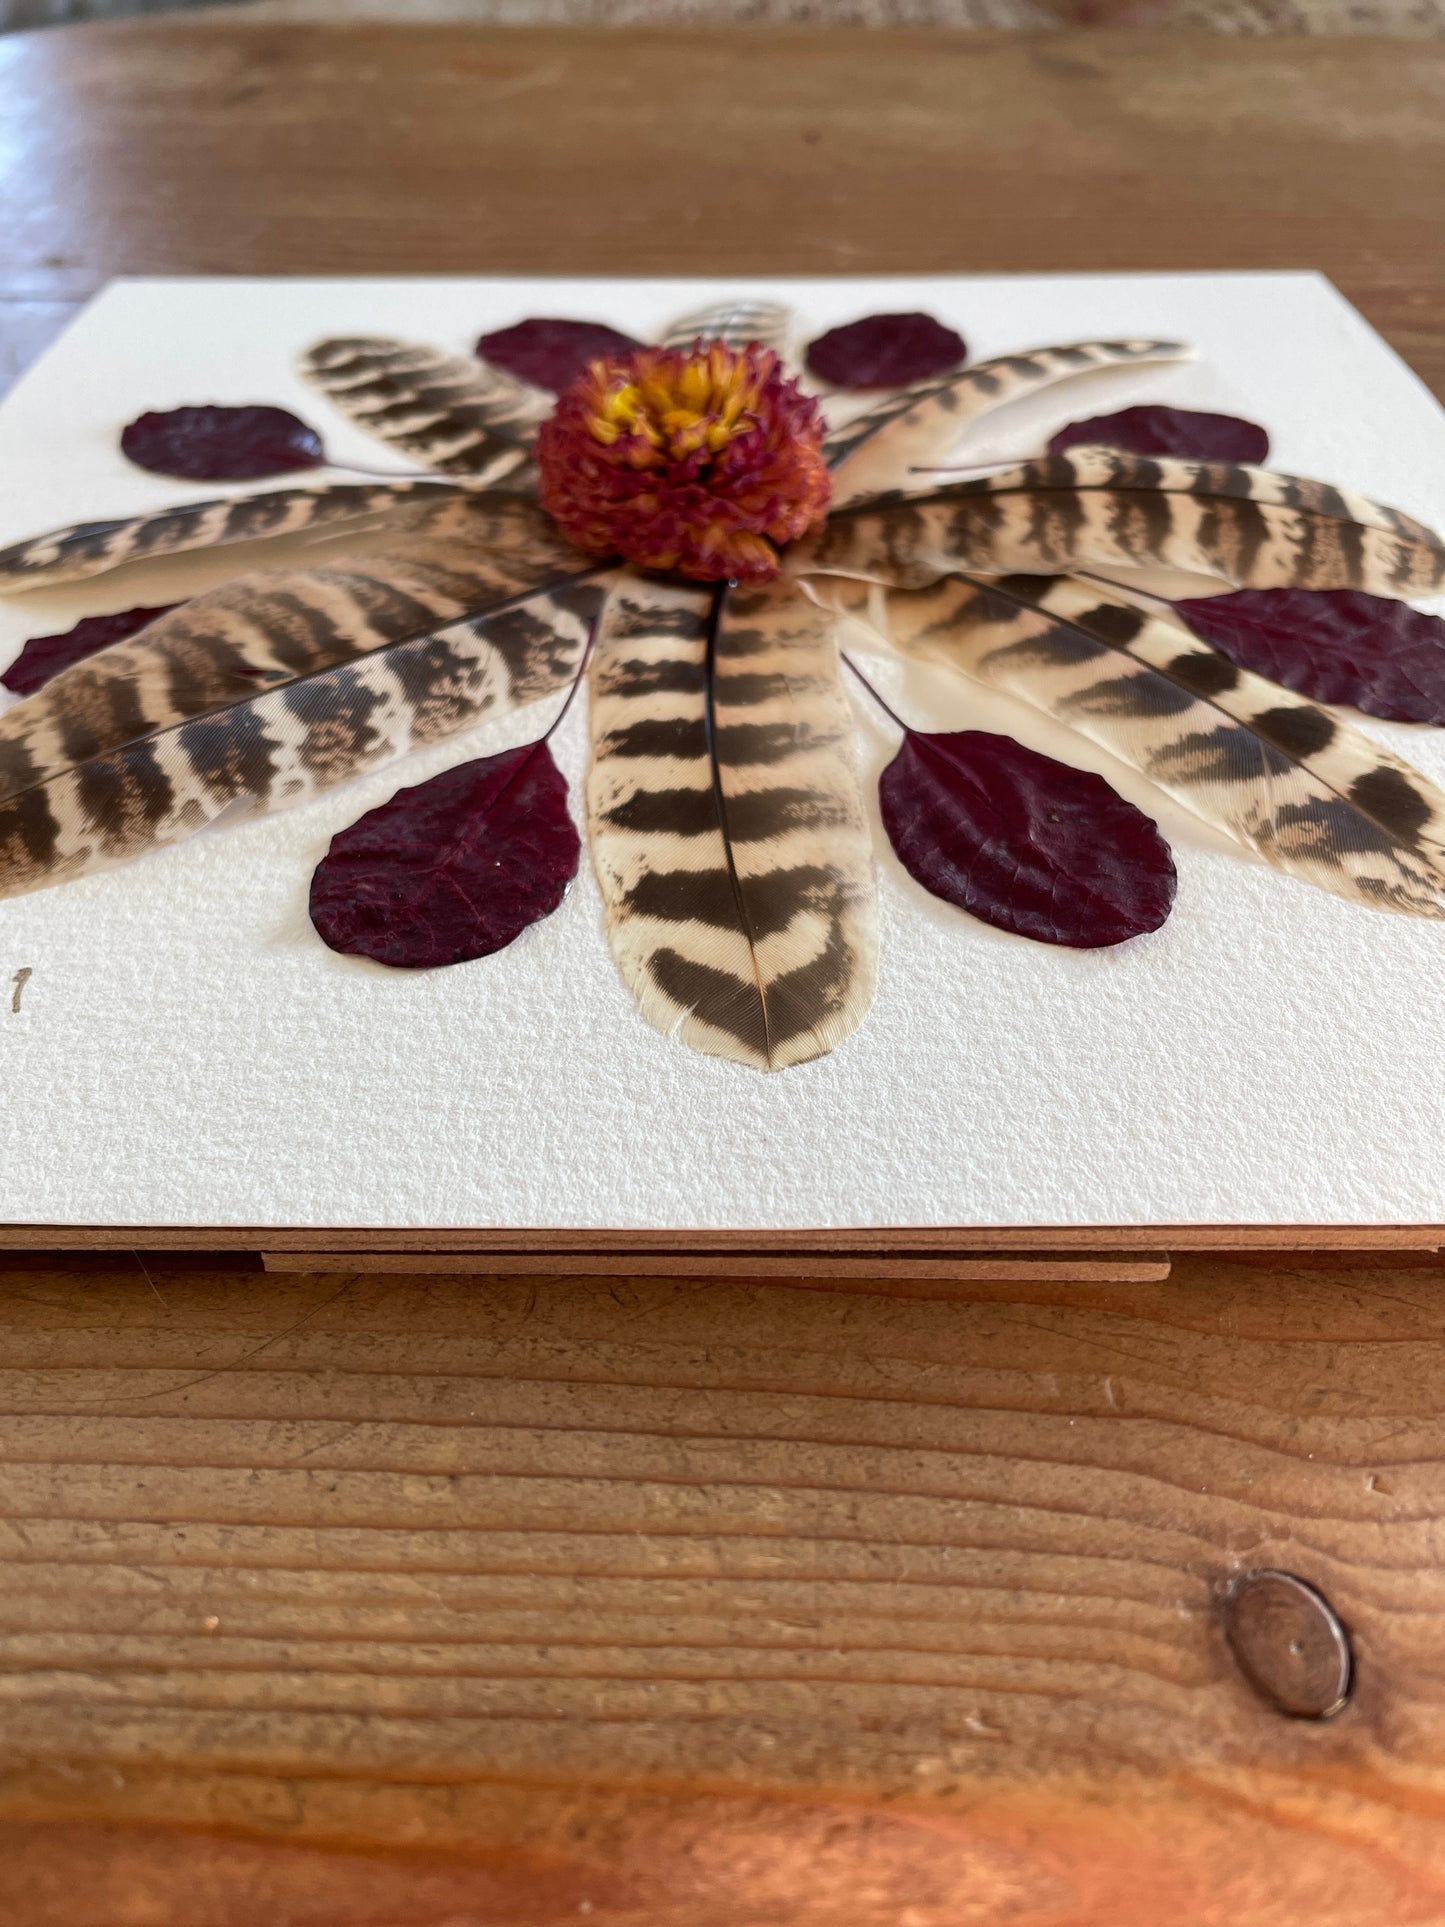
(1294, 782)
(877, 452)
(726, 821)
(452, 413)
(1100, 508)
(278, 686)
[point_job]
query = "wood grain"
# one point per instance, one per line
(168, 146)
(426, 1601)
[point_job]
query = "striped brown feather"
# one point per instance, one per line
(92, 548)
(738, 323)
(452, 413)
(878, 451)
(274, 688)
(1098, 508)
(727, 825)
(1294, 782)
(1112, 468)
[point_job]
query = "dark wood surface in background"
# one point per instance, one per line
(170, 146)
(466, 1602)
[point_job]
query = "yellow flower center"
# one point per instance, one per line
(672, 413)
(699, 462)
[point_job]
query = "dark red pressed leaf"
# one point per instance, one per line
(552, 353)
(1154, 429)
(886, 351)
(1334, 645)
(212, 443)
(1023, 842)
(45, 656)
(451, 869)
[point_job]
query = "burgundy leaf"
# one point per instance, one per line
(885, 351)
(222, 444)
(45, 656)
(1023, 842)
(550, 353)
(451, 869)
(1334, 645)
(1154, 429)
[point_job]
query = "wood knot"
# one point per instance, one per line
(1289, 1644)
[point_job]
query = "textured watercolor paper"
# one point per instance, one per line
(187, 1052)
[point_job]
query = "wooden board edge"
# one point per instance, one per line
(897, 1243)
(796, 1269)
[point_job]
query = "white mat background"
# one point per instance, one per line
(188, 1053)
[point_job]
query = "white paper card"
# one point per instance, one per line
(186, 1051)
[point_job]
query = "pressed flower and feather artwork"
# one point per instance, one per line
(753, 639)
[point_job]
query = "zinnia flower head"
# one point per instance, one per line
(695, 461)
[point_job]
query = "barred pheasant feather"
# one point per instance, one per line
(728, 825)
(683, 531)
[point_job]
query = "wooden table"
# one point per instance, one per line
(471, 1602)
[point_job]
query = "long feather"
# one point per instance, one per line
(453, 414)
(1097, 508)
(738, 323)
(92, 548)
(1112, 468)
(276, 687)
(727, 826)
(1294, 782)
(878, 451)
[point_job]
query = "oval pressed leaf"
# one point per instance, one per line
(453, 868)
(215, 443)
(552, 353)
(886, 351)
(1156, 429)
(1023, 842)
(1334, 645)
(45, 656)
